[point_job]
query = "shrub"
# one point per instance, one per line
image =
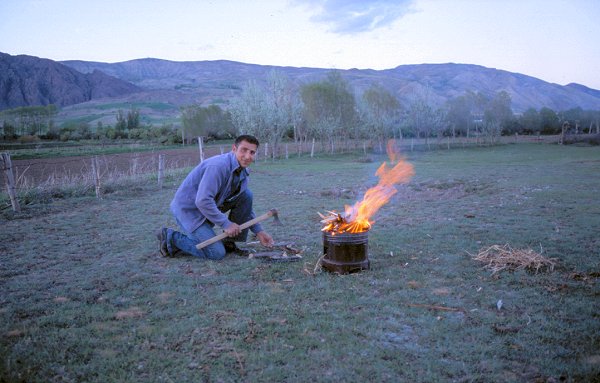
(579, 139)
(83, 131)
(28, 139)
(52, 134)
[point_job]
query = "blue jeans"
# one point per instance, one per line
(240, 210)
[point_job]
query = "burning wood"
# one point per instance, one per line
(357, 218)
(338, 223)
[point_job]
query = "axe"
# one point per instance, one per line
(271, 213)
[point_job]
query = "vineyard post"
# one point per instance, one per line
(200, 147)
(266, 151)
(161, 169)
(96, 175)
(10, 182)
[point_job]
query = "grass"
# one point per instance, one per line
(53, 149)
(82, 148)
(86, 298)
(92, 112)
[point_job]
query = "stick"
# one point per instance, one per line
(442, 308)
(242, 227)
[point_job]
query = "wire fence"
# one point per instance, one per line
(82, 171)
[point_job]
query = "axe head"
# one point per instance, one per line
(275, 214)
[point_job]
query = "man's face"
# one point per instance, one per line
(244, 152)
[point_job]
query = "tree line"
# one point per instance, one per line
(328, 110)
(31, 124)
(331, 111)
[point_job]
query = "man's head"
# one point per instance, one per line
(244, 148)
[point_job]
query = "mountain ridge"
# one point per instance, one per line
(440, 81)
(85, 85)
(29, 81)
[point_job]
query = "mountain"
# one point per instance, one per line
(27, 81)
(584, 89)
(94, 91)
(438, 82)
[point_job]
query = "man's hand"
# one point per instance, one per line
(233, 230)
(265, 239)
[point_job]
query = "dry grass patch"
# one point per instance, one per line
(132, 312)
(498, 258)
(61, 299)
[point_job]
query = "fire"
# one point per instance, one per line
(357, 218)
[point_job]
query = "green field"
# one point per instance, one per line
(85, 296)
(55, 149)
(156, 113)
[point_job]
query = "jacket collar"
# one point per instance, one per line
(234, 164)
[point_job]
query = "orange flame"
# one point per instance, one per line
(357, 218)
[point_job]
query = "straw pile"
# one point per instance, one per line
(498, 258)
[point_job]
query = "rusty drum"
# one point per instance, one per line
(345, 252)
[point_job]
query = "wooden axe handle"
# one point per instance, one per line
(243, 226)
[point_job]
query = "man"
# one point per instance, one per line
(216, 186)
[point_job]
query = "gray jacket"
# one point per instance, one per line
(205, 189)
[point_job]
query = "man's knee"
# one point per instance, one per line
(215, 252)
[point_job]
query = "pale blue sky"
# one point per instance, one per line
(554, 40)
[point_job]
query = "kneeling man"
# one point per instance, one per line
(216, 186)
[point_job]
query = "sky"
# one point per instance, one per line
(555, 40)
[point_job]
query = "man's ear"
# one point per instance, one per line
(233, 147)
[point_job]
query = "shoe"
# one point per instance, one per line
(161, 235)
(231, 247)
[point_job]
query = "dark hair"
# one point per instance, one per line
(248, 138)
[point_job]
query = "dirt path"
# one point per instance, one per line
(36, 171)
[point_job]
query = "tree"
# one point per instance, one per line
(268, 113)
(530, 121)
(549, 121)
(497, 115)
(283, 108)
(478, 103)
(9, 132)
(133, 119)
(594, 119)
(465, 113)
(459, 114)
(210, 122)
(329, 108)
(121, 124)
(247, 111)
(424, 120)
(31, 120)
(379, 110)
